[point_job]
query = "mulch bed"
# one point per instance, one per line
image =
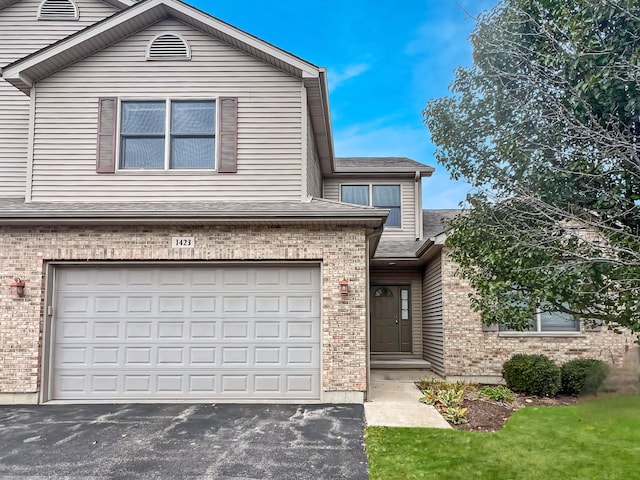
(488, 416)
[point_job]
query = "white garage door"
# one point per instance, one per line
(127, 333)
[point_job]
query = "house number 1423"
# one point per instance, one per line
(183, 242)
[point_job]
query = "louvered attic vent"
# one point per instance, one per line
(58, 10)
(168, 46)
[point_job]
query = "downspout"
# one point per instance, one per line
(368, 238)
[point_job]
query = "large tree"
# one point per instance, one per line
(545, 127)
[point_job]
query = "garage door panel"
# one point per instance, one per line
(169, 333)
(171, 386)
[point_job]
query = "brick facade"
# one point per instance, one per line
(471, 352)
(340, 250)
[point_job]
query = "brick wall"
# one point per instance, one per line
(470, 352)
(341, 251)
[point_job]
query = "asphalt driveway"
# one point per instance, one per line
(177, 441)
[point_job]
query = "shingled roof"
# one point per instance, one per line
(16, 211)
(434, 222)
(381, 165)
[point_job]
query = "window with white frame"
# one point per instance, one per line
(381, 196)
(167, 134)
(547, 321)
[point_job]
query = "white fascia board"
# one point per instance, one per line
(308, 70)
(14, 72)
(120, 3)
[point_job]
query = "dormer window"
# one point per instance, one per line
(58, 10)
(168, 46)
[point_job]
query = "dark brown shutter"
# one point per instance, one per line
(228, 156)
(106, 153)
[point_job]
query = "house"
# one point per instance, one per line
(175, 225)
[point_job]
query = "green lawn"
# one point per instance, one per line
(594, 440)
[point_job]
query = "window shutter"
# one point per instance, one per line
(228, 156)
(106, 153)
(490, 328)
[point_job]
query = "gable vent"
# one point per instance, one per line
(58, 10)
(168, 46)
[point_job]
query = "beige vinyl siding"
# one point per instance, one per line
(21, 34)
(414, 280)
(314, 175)
(269, 123)
(14, 137)
(407, 207)
(432, 330)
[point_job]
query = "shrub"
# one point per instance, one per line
(455, 415)
(583, 376)
(497, 393)
(532, 374)
(447, 398)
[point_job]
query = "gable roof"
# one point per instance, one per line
(121, 4)
(25, 72)
(382, 165)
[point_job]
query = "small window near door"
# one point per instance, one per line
(383, 292)
(404, 304)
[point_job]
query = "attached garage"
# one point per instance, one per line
(218, 332)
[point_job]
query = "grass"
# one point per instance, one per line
(597, 439)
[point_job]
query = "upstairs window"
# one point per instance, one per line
(167, 135)
(381, 196)
(168, 46)
(145, 144)
(58, 10)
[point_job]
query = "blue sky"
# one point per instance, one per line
(384, 61)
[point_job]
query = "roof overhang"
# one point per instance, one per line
(425, 252)
(396, 167)
(14, 212)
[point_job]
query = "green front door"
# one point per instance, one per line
(390, 319)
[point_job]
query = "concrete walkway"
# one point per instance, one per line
(394, 402)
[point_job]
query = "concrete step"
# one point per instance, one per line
(400, 364)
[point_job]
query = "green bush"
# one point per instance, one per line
(532, 374)
(583, 376)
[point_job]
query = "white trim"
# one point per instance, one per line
(304, 142)
(49, 16)
(31, 140)
(567, 334)
(187, 47)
